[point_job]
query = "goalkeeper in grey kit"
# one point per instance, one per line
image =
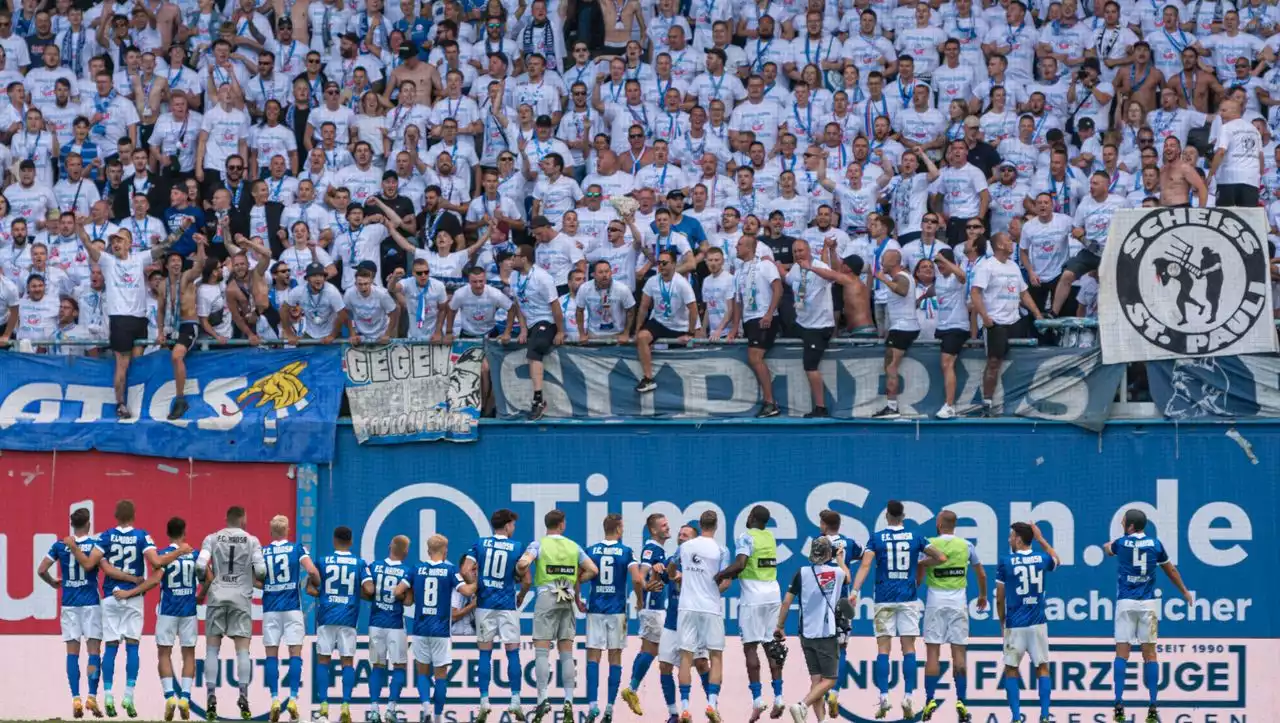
(233, 561)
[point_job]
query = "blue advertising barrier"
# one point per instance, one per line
(1216, 386)
(1050, 383)
(278, 405)
(1211, 503)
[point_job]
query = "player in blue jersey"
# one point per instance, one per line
(846, 549)
(288, 567)
(344, 579)
(81, 615)
(1137, 609)
(491, 566)
(1020, 605)
(669, 648)
(388, 642)
(606, 609)
(430, 588)
(895, 551)
(126, 555)
(176, 622)
(653, 559)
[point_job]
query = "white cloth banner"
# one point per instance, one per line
(1185, 282)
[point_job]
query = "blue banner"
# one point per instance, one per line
(248, 405)
(1216, 387)
(1209, 501)
(1051, 383)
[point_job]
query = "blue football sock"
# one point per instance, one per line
(1118, 669)
(73, 673)
(931, 686)
(1151, 679)
(109, 667)
(295, 676)
(639, 668)
(131, 664)
(962, 687)
(515, 671)
(668, 688)
(880, 671)
(423, 681)
(1013, 690)
(272, 672)
(322, 681)
(777, 687)
(593, 681)
(377, 679)
(706, 680)
(1046, 689)
(842, 672)
(441, 693)
(398, 677)
(909, 678)
(95, 672)
(756, 690)
(684, 695)
(615, 682)
(486, 675)
(348, 683)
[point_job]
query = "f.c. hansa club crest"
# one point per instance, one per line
(1193, 281)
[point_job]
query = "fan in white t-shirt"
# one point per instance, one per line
(1238, 159)
(675, 314)
(996, 291)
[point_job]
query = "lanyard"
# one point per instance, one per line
(760, 54)
(422, 302)
(662, 94)
(1188, 88)
(141, 233)
(1065, 206)
(869, 111)
(1133, 73)
(665, 289)
(275, 195)
(806, 127)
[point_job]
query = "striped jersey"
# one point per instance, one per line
(433, 586)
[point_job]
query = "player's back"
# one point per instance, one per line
(1024, 587)
(433, 585)
(610, 587)
(495, 559)
(673, 603)
(852, 552)
(233, 554)
(897, 550)
(342, 575)
(79, 586)
(653, 554)
(282, 588)
(387, 610)
(125, 548)
(1138, 555)
(700, 559)
(178, 586)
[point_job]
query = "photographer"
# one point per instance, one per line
(824, 622)
(1089, 97)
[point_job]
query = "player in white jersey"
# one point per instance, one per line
(700, 625)
(232, 558)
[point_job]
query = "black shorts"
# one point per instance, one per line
(815, 345)
(542, 337)
(901, 340)
(998, 340)
(187, 333)
(952, 340)
(759, 337)
(124, 331)
(1083, 262)
(821, 656)
(660, 331)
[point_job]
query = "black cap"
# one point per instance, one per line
(387, 175)
(314, 269)
(543, 121)
(284, 23)
(540, 222)
(367, 265)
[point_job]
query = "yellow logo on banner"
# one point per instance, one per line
(282, 388)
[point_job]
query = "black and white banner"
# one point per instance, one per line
(1185, 282)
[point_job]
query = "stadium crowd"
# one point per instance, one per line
(557, 171)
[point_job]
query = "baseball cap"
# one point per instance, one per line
(819, 550)
(543, 121)
(367, 265)
(540, 222)
(1007, 164)
(314, 269)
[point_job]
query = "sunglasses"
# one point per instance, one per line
(591, 195)
(615, 230)
(635, 135)
(331, 92)
(421, 273)
(930, 220)
(493, 26)
(235, 168)
(507, 158)
(579, 92)
(313, 61)
(973, 228)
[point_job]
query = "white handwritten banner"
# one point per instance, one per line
(405, 392)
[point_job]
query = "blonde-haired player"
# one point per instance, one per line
(429, 588)
(289, 565)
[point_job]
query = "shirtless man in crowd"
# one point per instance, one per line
(187, 324)
(247, 289)
(1178, 178)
